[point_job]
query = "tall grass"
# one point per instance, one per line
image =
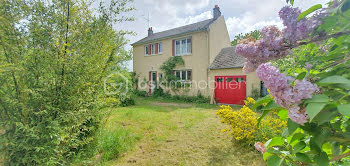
(112, 144)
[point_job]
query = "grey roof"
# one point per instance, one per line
(195, 27)
(227, 59)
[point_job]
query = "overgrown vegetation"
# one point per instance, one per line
(168, 68)
(164, 131)
(54, 56)
(160, 94)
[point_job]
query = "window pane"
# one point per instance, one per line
(178, 75)
(154, 76)
(183, 75)
(239, 79)
(219, 80)
(152, 49)
(177, 50)
(146, 50)
(229, 79)
(183, 46)
(189, 46)
(189, 74)
(160, 47)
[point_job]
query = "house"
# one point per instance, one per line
(211, 66)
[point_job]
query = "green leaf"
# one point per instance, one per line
(292, 2)
(272, 105)
(302, 158)
(308, 11)
(276, 141)
(301, 76)
(261, 101)
(318, 99)
(322, 159)
(274, 161)
(292, 126)
(334, 80)
(325, 116)
(313, 109)
(273, 151)
(335, 148)
(283, 114)
(297, 136)
(299, 146)
(266, 155)
(344, 109)
(262, 116)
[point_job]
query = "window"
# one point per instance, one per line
(239, 80)
(183, 75)
(160, 48)
(153, 49)
(229, 79)
(219, 80)
(183, 46)
(146, 50)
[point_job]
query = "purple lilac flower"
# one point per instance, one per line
(284, 94)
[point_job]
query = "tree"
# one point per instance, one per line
(256, 34)
(54, 56)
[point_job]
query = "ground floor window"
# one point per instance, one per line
(183, 75)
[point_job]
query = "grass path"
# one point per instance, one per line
(177, 134)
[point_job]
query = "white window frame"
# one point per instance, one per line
(187, 77)
(160, 44)
(186, 44)
(146, 50)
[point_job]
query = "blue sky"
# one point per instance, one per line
(241, 16)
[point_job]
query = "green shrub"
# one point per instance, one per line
(126, 101)
(140, 93)
(158, 92)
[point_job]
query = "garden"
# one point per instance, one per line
(57, 60)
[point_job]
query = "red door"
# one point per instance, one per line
(230, 89)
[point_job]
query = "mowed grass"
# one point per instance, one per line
(163, 133)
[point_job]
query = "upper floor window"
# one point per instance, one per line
(183, 46)
(152, 49)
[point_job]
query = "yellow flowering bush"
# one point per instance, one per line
(242, 124)
(249, 102)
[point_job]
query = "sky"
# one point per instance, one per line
(242, 16)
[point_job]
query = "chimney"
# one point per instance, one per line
(216, 12)
(150, 31)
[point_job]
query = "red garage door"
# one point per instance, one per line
(230, 89)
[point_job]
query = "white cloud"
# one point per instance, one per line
(184, 21)
(243, 25)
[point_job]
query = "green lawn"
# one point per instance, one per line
(164, 133)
